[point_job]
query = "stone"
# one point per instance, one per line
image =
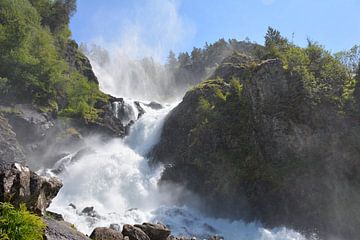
(19, 185)
(134, 233)
(155, 231)
(90, 211)
(103, 233)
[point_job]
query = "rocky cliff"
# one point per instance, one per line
(254, 143)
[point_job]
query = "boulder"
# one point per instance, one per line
(155, 231)
(154, 105)
(19, 185)
(134, 233)
(103, 233)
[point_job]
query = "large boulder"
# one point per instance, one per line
(134, 233)
(19, 185)
(154, 231)
(103, 233)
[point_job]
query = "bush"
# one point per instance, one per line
(19, 224)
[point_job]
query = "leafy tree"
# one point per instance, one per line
(350, 58)
(19, 224)
(33, 67)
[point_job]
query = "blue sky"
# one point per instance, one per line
(156, 26)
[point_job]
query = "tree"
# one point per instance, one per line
(274, 38)
(184, 59)
(171, 60)
(350, 58)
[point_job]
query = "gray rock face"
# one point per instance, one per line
(29, 124)
(60, 230)
(19, 185)
(154, 231)
(10, 149)
(134, 233)
(103, 233)
(265, 149)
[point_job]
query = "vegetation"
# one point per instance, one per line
(325, 76)
(19, 224)
(34, 35)
(191, 68)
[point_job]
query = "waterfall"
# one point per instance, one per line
(112, 183)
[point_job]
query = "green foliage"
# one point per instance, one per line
(81, 96)
(323, 75)
(19, 224)
(350, 58)
(235, 83)
(34, 35)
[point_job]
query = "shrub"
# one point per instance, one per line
(19, 224)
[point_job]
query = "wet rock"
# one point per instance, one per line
(115, 227)
(103, 233)
(61, 230)
(155, 231)
(72, 205)
(140, 109)
(54, 215)
(89, 211)
(19, 185)
(134, 233)
(154, 105)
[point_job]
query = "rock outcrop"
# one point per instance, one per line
(254, 143)
(10, 149)
(19, 185)
(60, 230)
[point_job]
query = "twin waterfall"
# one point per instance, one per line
(111, 183)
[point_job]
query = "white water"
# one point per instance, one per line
(117, 181)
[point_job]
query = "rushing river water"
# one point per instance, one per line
(115, 179)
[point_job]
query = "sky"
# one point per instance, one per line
(153, 27)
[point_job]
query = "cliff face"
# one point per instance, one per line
(256, 145)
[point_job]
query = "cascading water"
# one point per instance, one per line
(112, 183)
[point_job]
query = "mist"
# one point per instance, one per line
(133, 65)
